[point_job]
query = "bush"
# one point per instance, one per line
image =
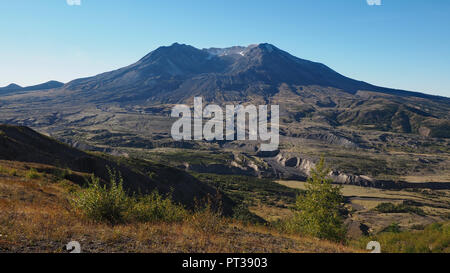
(112, 204)
(394, 228)
(399, 208)
(32, 174)
(243, 214)
(155, 207)
(62, 173)
(12, 172)
(104, 203)
(318, 212)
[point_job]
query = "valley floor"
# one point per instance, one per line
(434, 206)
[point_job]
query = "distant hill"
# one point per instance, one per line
(11, 87)
(25, 145)
(14, 88)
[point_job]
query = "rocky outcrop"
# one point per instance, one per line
(294, 167)
(239, 166)
(348, 179)
(303, 164)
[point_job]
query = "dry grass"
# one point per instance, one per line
(36, 216)
(426, 178)
(271, 213)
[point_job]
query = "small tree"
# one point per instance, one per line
(318, 212)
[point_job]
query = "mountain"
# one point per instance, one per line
(306, 92)
(178, 72)
(14, 88)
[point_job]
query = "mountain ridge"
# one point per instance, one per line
(14, 88)
(234, 67)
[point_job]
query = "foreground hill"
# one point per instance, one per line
(25, 145)
(35, 216)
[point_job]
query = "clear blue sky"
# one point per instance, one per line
(401, 44)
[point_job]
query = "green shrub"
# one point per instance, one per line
(9, 171)
(155, 207)
(318, 212)
(12, 172)
(394, 228)
(243, 214)
(62, 173)
(399, 208)
(104, 202)
(111, 203)
(32, 174)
